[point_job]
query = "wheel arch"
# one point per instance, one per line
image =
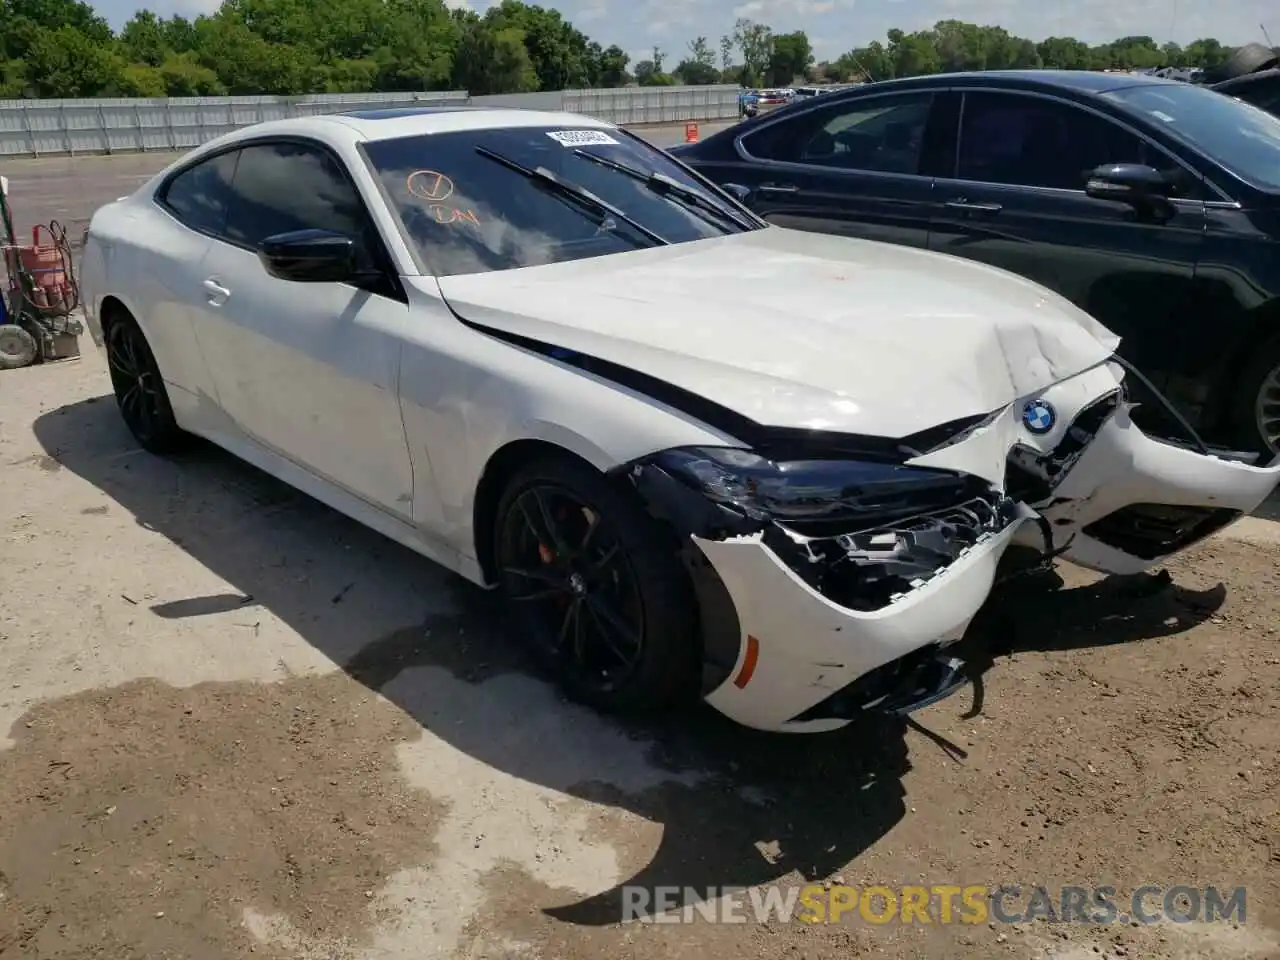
(112, 309)
(1260, 329)
(503, 464)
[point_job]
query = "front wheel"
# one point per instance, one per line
(597, 588)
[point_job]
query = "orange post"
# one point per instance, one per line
(691, 132)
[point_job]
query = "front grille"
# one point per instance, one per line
(1031, 477)
(1150, 531)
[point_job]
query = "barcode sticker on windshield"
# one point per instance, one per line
(581, 138)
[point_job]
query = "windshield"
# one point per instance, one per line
(481, 200)
(1237, 135)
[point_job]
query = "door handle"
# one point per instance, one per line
(216, 292)
(968, 207)
(778, 188)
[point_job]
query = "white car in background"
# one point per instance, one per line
(523, 345)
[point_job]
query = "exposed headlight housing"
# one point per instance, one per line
(861, 531)
(844, 492)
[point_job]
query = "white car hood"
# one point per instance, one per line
(798, 329)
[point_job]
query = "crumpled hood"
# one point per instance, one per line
(798, 329)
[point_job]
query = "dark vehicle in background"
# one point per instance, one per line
(1152, 204)
(1261, 89)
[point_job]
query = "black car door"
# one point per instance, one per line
(851, 168)
(1016, 200)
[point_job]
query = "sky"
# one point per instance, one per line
(835, 26)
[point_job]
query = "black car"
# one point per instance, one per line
(1152, 204)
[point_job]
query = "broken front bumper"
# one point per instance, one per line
(799, 648)
(1096, 489)
(1131, 501)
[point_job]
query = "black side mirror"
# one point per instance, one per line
(310, 256)
(737, 191)
(1129, 183)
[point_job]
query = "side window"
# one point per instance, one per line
(1033, 142)
(280, 187)
(876, 134)
(200, 195)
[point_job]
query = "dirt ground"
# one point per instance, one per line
(240, 724)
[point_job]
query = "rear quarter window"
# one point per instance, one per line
(200, 195)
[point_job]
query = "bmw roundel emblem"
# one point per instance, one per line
(1039, 417)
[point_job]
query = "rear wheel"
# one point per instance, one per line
(597, 587)
(139, 388)
(1256, 414)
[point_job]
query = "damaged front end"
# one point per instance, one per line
(837, 576)
(834, 572)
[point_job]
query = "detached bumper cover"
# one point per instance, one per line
(1131, 501)
(807, 647)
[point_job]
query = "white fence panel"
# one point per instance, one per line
(38, 128)
(73, 127)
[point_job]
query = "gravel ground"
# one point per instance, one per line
(239, 723)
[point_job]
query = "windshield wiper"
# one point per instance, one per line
(579, 197)
(663, 185)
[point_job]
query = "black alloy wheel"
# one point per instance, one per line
(139, 388)
(597, 588)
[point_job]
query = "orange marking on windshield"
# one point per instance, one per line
(429, 185)
(445, 215)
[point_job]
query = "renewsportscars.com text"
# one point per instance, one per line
(936, 904)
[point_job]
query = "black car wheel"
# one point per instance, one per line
(598, 587)
(1256, 413)
(139, 388)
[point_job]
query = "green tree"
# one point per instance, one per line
(755, 43)
(64, 48)
(613, 67)
(790, 58)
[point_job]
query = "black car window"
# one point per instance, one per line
(199, 195)
(466, 208)
(281, 187)
(1241, 137)
(1034, 142)
(876, 134)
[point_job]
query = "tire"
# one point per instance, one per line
(18, 348)
(1250, 58)
(139, 389)
(1258, 402)
(644, 584)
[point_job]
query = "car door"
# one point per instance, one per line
(1017, 201)
(852, 168)
(165, 273)
(309, 370)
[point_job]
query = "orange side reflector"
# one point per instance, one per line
(748, 663)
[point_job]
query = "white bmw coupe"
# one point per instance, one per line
(527, 345)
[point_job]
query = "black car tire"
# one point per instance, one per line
(139, 389)
(1244, 413)
(666, 669)
(1250, 58)
(18, 348)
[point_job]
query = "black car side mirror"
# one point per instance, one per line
(737, 191)
(310, 256)
(1129, 183)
